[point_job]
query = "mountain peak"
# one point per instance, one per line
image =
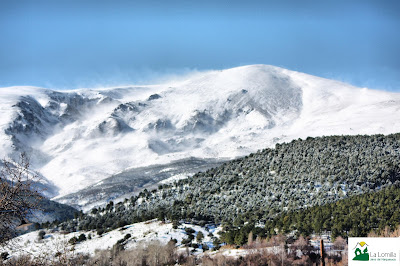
(80, 137)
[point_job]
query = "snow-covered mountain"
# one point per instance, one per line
(78, 138)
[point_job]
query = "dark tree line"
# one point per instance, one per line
(352, 217)
(260, 187)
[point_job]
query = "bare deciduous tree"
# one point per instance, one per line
(18, 195)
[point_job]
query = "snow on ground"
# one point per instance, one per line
(212, 114)
(8, 97)
(144, 232)
(53, 242)
(176, 178)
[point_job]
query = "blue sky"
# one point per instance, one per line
(70, 44)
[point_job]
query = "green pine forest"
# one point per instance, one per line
(352, 217)
(348, 185)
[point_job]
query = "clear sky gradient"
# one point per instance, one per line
(71, 44)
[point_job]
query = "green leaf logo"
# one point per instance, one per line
(361, 251)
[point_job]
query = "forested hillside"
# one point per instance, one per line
(293, 176)
(49, 210)
(355, 217)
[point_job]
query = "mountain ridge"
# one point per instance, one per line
(84, 136)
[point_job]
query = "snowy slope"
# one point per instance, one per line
(78, 138)
(132, 181)
(53, 242)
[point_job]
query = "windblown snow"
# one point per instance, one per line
(77, 138)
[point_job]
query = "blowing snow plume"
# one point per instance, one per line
(78, 138)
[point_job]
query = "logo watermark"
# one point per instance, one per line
(374, 251)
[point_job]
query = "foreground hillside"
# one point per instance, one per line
(295, 175)
(156, 243)
(175, 242)
(328, 186)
